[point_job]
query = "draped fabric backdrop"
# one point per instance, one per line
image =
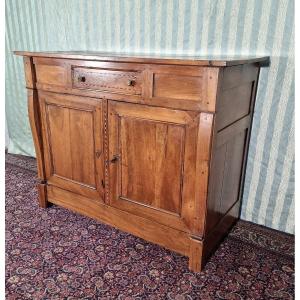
(187, 27)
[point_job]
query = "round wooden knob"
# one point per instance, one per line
(81, 78)
(130, 82)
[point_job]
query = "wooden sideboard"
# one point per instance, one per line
(155, 146)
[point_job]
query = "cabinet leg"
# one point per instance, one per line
(42, 190)
(195, 257)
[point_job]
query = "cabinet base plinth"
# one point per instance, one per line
(198, 251)
(42, 191)
(195, 256)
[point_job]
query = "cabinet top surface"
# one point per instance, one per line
(217, 61)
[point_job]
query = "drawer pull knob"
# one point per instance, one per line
(130, 82)
(81, 78)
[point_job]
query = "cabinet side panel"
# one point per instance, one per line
(236, 93)
(226, 173)
(235, 103)
(233, 170)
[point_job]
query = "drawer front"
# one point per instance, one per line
(185, 88)
(176, 87)
(51, 75)
(121, 82)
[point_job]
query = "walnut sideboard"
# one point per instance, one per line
(153, 146)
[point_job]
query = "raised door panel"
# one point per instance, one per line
(151, 166)
(73, 139)
(152, 153)
(226, 173)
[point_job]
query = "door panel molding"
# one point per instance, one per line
(73, 140)
(183, 217)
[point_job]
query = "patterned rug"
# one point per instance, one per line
(56, 254)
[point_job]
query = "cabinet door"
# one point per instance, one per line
(152, 162)
(73, 142)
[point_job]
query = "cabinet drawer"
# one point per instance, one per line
(187, 88)
(176, 87)
(121, 82)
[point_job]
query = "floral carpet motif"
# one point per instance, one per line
(57, 254)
